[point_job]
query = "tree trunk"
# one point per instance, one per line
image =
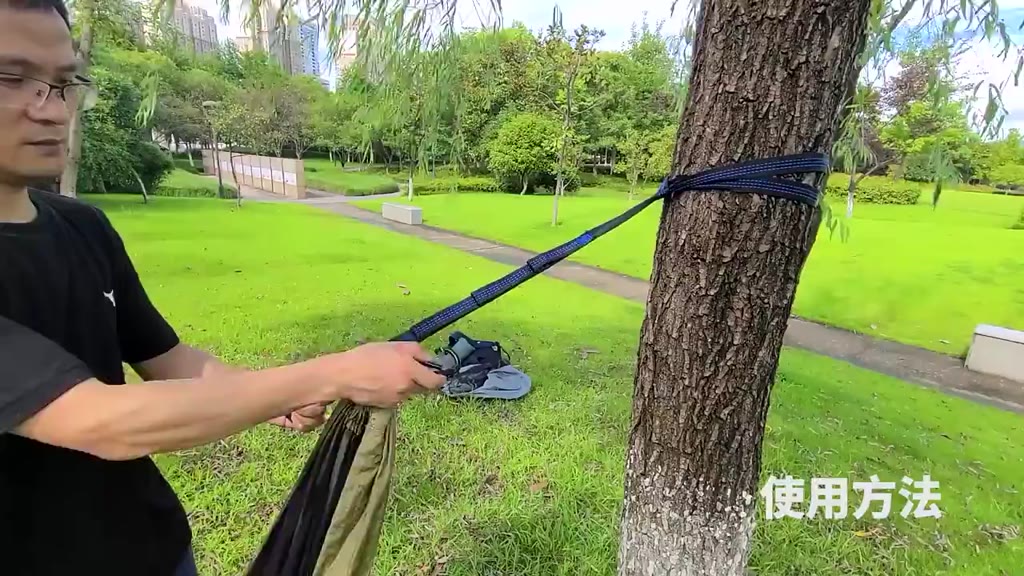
(526, 184)
(69, 179)
(142, 186)
(615, 153)
(411, 169)
(769, 78)
(188, 150)
(234, 176)
(554, 209)
(849, 195)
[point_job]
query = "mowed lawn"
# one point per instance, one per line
(533, 487)
(907, 273)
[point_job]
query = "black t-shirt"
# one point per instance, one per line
(72, 308)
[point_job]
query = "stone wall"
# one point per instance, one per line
(281, 176)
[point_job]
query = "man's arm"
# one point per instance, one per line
(151, 345)
(48, 395)
(184, 361)
(126, 422)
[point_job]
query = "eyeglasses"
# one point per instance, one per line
(24, 91)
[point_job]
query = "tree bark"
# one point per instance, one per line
(849, 195)
(69, 179)
(769, 79)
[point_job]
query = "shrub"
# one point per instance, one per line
(447, 184)
(152, 164)
(195, 192)
(1008, 176)
(875, 190)
(548, 180)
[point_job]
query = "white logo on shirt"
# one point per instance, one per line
(110, 296)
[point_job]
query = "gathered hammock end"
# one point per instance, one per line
(331, 522)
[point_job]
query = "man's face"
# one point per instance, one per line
(33, 138)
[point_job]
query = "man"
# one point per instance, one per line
(78, 491)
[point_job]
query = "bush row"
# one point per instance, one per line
(447, 184)
(874, 190)
(1008, 177)
(193, 192)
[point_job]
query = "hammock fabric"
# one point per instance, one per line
(331, 522)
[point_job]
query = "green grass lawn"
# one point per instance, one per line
(534, 486)
(907, 273)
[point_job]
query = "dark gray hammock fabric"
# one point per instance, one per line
(330, 523)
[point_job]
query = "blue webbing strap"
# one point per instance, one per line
(756, 176)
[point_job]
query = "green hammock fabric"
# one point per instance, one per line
(351, 542)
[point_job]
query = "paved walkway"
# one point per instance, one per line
(910, 363)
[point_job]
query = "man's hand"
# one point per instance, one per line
(383, 374)
(303, 420)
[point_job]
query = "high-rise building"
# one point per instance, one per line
(197, 28)
(348, 47)
(310, 42)
(280, 38)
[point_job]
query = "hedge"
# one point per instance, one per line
(1008, 177)
(874, 190)
(192, 192)
(447, 184)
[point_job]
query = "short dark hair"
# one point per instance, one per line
(55, 5)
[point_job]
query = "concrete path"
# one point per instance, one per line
(925, 367)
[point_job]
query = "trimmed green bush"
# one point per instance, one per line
(201, 192)
(447, 184)
(875, 190)
(152, 164)
(1008, 176)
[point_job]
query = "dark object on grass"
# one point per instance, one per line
(331, 522)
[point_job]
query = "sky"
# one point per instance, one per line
(616, 18)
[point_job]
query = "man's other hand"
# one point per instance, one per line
(304, 419)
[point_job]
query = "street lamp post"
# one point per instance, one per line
(216, 150)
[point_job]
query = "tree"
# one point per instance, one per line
(726, 268)
(566, 54)
(859, 149)
(295, 103)
(636, 152)
(523, 147)
(725, 272)
(660, 148)
(86, 13)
